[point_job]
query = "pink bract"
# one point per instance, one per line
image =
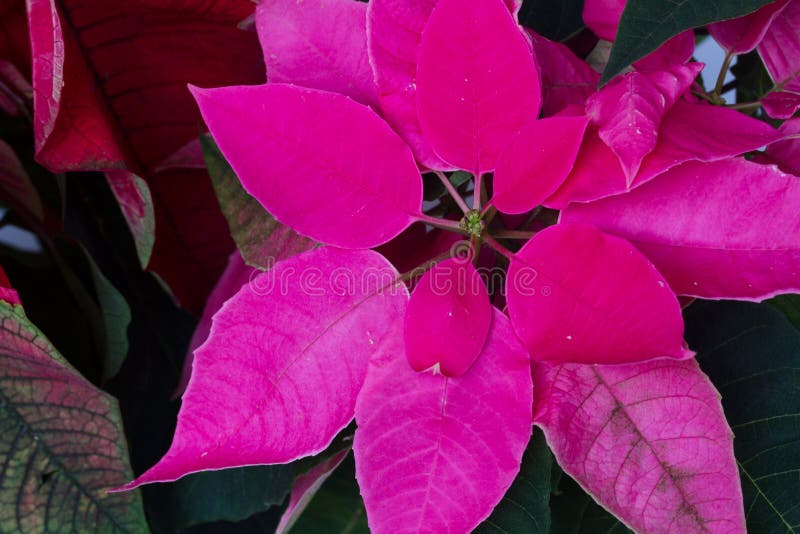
(648, 441)
(675, 221)
(321, 44)
(317, 318)
(578, 295)
(743, 34)
(435, 453)
(447, 319)
(326, 166)
(466, 48)
(780, 51)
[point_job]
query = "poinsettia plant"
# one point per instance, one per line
(471, 241)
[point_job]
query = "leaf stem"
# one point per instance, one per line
(453, 191)
(423, 267)
(477, 193)
(513, 234)
(722, 72)
(745, 106)
(443, 224)
(500, 249)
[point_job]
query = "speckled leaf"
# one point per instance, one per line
(752, 354)
(257, 234)
(136, 203)
(61, 441)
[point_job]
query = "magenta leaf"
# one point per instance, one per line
(676, 51)
(675, 221)
(787, 153)
(602, 17)
(629, 110)
(62, 444)
(780, 51)
(321, 44)
(743, 34)
(286, 357)
(447, 319)
(305, 487)
(466, 114)
(689, 132)
(326, 166)
(648, 441)
(136, 204)
(436, 453)
(536, 162)
(576, 294)
(566, 79)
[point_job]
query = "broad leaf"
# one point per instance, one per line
(649, 441)
(787, 153)
(526, 505)
(286, 357)
(554, 20)
(575, 512)
(136, 203)
(577, 294)
(790, 306)
(536, 162)
(262, 241)
(465, 49)
(602, 17)
(780, 50)
(741, 35)
(326, 166)
(440, 452)
(62, 441)
(447, 319)
(306, 487)
(647, 24)
(700, 254)
(752, 354)
(320, 44)
(115, 315)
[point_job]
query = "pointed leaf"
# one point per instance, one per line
(566, 79)
(689, 132)
(649, 441)
(602, 17)
(743, 34)
(136, 204)
(62, 441)
(427, 449)
(466, 115)
(525, 507)
(318, 162)
(536, 162)
(261, 239)
(305, 487)
(553, 20)
(780, 50)
(575, 512)
(576, 294)
(286, 357)
(447, 319)
(647, 24)
(675, 221)
(15, 185)
(116, 317)
(787, 153)
(321, 44)
(628, 112)
(752, 354)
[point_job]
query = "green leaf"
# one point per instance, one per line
(555, 19)
(434, 188)
(256, 233)
(337, 507)
(226, 495)
(136, 203)
(575, 512)
(752, 354)
(61, 441)
(525, 506)
(790, 306)
(647, 24)
(116, 317)
(15, 185)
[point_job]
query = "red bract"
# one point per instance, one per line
(331, 334)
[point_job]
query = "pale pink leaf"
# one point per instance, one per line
(786, 153)
(536, 162)
(752, 252)
(566, 79)
(278, 377)
(648, 441)
(628, 111)
(576, 294)
(320, 163)
(689, 132)
(780, 51)
(305, 487)
(447, 319)
(436, 454)
(466, 114)
(136, 203)
(743, 34)
(321, 44)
